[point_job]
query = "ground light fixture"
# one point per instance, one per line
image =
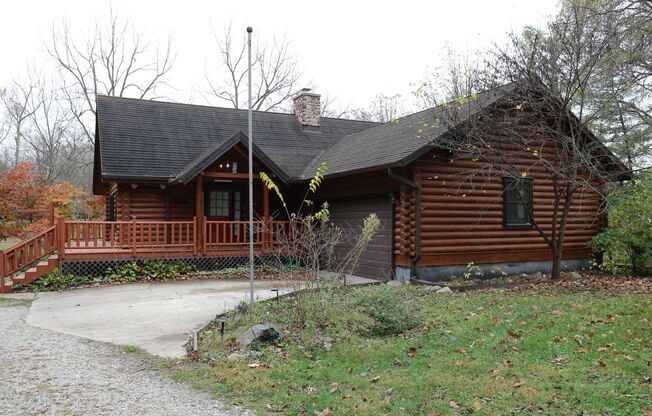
(222, 320)
(275, 290)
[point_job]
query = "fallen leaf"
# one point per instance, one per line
(602, 364)
(375, 379)
(454, 404)
(386, 400)
(518, 383)
(335, 388)
(629, 358)
(513, 334)
(326, 412)
(253, 365)
(507, 363)
(477, 405)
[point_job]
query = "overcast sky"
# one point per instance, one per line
(352, 50)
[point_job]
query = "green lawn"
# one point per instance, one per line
(539, 352)
(5, 244)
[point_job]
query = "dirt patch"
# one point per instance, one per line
(591, 282)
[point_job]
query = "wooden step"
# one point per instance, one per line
(32, 274)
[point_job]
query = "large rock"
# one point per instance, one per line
(431, 288)
(260, 333)
(395, 283)
(444, 290)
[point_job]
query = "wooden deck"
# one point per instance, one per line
(107, 240)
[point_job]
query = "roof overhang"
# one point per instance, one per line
(210, 156)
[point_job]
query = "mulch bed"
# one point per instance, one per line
(587, 283)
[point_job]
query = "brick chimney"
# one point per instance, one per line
(307, 109)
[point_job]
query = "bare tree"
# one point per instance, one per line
(329, 107)
(538, 122)
(115, 59)
(275, 73)
(17, 109)
(55, 142)
(383, 108)
(454, 77)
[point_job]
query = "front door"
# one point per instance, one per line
(218, 204)
(223, 204)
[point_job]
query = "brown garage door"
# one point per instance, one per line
(349, 214)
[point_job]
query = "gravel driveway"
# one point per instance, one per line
(49, 373)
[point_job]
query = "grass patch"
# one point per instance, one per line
(544, 352)
(8, 243)
(131, 348)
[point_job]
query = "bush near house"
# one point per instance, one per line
(626, 244)
(544, 352)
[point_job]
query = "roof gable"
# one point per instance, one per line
(157, 140)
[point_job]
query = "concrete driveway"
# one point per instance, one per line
(157, 317)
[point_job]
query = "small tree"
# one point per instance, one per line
(310, 240)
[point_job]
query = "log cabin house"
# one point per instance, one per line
(175, 180)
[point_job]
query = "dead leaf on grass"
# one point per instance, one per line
(477, 405)
(513, 335)
(518, 383)
(454, 404)
(375, 379)
(507, 363)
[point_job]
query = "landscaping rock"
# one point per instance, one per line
(445, 290)
(394, 283)
(431, 288)
(260, 332)
(325, 342)
(575, 275)
(235, 357)
(538, 275)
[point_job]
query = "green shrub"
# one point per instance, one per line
(128, 272)
(151, 270)
(391, 310)
(626, 244)
(57, 280)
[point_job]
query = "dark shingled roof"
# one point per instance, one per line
(162, 140)
(154, 139)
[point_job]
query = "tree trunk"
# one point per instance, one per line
(556, 264)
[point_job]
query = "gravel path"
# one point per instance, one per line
(48, 373)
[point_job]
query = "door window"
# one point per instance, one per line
(218, 205)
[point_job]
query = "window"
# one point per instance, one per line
(517, 202)
(219, 204)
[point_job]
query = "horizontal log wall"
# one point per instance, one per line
(462, 215)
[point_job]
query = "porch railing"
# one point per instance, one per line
(27, 253)
(196, 236)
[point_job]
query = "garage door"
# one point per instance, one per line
(349, 214)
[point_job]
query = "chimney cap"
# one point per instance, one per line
(306, 91)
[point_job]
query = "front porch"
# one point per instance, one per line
(101, 241)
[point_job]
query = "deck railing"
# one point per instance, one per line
(196, 236)
(26, 253)
(108, 238)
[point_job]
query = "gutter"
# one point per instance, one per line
(417, 220)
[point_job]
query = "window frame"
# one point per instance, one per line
(507, 222)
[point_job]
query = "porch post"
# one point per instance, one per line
(266, 223)
(199, 214)
(61, 234)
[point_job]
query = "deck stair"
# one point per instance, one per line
(36, 272)
(28, 260)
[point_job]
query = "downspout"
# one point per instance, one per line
(417, 219)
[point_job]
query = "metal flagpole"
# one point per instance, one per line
(251, 178)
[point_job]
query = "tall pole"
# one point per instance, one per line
(251, 177)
